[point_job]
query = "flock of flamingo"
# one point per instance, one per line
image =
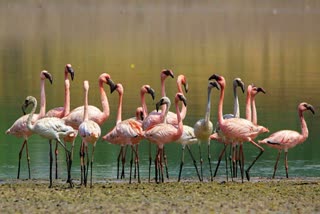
(159, 127)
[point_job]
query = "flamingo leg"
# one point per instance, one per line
(286, 163)
(82, 162)
(230, 160)
(161, 164)
(241, 161)
(257, 157)
(182, 162)
(156, 165)
(91, 164)
(20, 155)
(201, 161)
(209, 159)
(165, 163)
(131, 163)
(56, 160)
(137, 162)
(194, 162)
(237, 159)
(276, 164)
(150, 161)
(123, 162)
(28, 160)
(219, 160)
(118, 161)
(233, 159)
(226, 160)
(50, 166)
(87, 165)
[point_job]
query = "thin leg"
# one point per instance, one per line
(209, 159)
(92, 158)
(236, 159)
(219, 160)
(286, 163)
(156, 165)
(51, 159)
(253, 162)
(87, 165)
(131, 163)
(165, 163)
(82, 162)
(20, 155)
(150, 161)
(226, 160)
(123, 162)
(194, 162)
(137, 162)
(118, 161)
(230, 161)
(201, 161)
(161, 164)
(56, 160)
(241, 162)
(181, 163)
(28, 160)
(276, 165)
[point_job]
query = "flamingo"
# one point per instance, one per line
(287, 139)
(237, 82)
(126, 132)
(75, 118)
(51, 128)
(203, 128)
(19, 127)
(90, 132)
(238, 129)
(61, 112)
(164, 133)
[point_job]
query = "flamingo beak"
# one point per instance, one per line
(49, 77)
(158, 104)
(215, 84)
(23, 109)
(311, 108)
(183, 99)
(113, 86)
(71, 72)
(141, 116)
(242, 86)
(215, 77)
(186, 87)
(259, 89)
(151, 92)
(168, 73)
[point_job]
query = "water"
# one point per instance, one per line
(272, 44)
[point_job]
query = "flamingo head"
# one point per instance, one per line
(165, 73)
(118, 88)
(46, 75)
(305, 106)
(255, 90)
(183, 80)
(163, 101)
(107, 79)
(181, 97)
(86, 85)
(139, 113)
(219, 79)
(237, 82)
(30, 100)
(147, 89)
(69, 70)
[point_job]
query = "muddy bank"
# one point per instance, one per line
(257, 196)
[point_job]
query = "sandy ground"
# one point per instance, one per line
(191, 196)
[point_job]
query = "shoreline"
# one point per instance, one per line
(296, 195)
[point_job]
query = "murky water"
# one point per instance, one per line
(272, 44)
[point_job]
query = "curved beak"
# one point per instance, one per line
(49, 77)
(241, 85)
(71, 72)
(311, 108)
(111, 84)
(23, 107)
(183, 99)
(186, 87)
(259, 89)
(141, 116)
(151, 92)
(168, 73)
(215, 84)
(215, 77)
(158, 104)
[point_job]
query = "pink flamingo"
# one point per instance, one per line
(237, 82)
(51, 128)
(287, 139)
(19, 127)
(61, 112)
(75, 118)
(126, 132)
(90, 132)
(203, 128)
(238, 129)
(164, 133)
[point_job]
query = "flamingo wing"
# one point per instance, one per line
(283, 139)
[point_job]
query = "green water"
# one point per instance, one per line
(275, 45)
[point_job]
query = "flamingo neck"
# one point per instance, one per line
(33, 110)
(184, 108)
(207, 116)
(248, 105)
(220, 105)
(163, 91)
(85, 108)
(254, 111)
(119, 113)
(236, 109)
(66, 97)
(104, 103)
(304, 128)
(42, 99)
(180, 124)
(164, 113)
(143, 104)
